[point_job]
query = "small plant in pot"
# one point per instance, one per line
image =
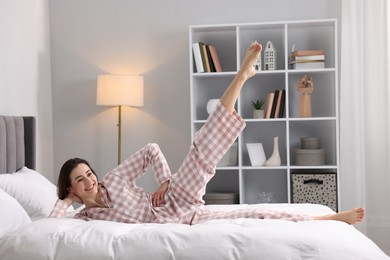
(258, 111)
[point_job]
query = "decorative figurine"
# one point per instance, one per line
(270, 57)
(305, 87)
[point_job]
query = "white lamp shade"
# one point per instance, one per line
(120, 90)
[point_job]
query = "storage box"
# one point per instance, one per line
(220, 198)
(316, 188)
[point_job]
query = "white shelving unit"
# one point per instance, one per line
(231, 42)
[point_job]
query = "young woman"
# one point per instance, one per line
(179, 197)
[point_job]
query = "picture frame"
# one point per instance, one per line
(256, 154)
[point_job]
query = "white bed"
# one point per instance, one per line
(26, 198)
(68, 238)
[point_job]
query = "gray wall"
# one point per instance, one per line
(148, 38)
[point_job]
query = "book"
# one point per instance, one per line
(282, 104)
(205, 59)
(197, 57)
(309, 57)
(274, 103)
(308, 65)
(215, 58)
(278, 104)
(210, 59)
(307, 52)
(268, 105)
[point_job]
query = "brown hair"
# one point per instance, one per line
(64, 179)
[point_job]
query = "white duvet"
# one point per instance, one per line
(218, 239)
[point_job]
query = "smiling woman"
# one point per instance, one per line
(179, 199)
(83, 183)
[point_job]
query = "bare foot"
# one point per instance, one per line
(252, 53)
(352, 216)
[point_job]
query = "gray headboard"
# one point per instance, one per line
(17, 143)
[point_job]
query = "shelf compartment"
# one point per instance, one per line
(257, 88)
(262, 34)
(318, 35)
(271, 180)
(323, 98)
(224, 181)
(264, 132)
(326, 130)
(224, 40)
(207, 88)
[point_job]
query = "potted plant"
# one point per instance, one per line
(258, 111)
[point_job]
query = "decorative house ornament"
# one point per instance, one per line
(257, 64)
(270, 57)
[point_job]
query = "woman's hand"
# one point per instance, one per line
(158, 195)
(71, 197)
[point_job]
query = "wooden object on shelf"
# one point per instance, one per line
(305, 87)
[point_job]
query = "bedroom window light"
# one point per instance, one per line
(120, 90)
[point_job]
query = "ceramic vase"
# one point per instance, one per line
(274, 160)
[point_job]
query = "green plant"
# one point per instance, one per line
(258, 105)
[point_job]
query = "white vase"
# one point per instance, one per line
(258, 113)
(211, 105)
(274, 160)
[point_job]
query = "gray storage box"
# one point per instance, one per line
(316, 188)
(220, 198)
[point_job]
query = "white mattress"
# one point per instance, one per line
(68, 238)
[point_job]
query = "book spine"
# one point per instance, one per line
(268, 106)
(210, 59)
(197, 57)
(282, 104)
(307, 52)
(309, 57)
(205, 59)
(274, 103)
(215, 58)
(309, 65)
(278, 104)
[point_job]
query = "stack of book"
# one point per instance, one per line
(274, 106)
(206, 58)
(308, 59)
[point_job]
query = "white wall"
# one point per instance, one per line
(25, 88)
(149, 38)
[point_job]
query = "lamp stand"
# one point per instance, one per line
(119, 133)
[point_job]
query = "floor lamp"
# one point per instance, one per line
(120, 90)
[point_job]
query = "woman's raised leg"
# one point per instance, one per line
(214, 138)
(246, 71)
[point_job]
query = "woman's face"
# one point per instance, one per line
(83, 182)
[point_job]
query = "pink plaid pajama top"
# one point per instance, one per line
(129, 203)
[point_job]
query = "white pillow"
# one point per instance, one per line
(12, 216)
(33, 191)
